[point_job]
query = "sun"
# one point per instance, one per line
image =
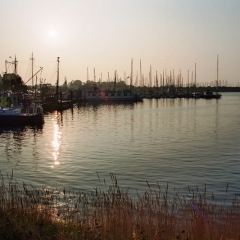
(52, 34)
(53, 37)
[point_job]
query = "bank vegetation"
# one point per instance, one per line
(110, 213)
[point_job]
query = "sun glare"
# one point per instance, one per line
(52, 34)
(56, 143)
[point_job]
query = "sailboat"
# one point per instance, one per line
(208, 94)
(217, 94)
(96, 94)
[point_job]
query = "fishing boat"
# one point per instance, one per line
(97, 94)
(18, 116)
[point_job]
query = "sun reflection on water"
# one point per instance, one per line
(56, 144)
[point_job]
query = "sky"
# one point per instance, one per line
(105, 35)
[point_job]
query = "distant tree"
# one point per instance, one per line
(74, 84)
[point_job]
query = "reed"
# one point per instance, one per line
(110, 213)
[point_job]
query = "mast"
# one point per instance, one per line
(140, 73)
(192, 80)
(217, 76)
(180, 79)
(173, 79)
(131, 73)
(15, 65)
(115, 80)
(150, 75)
(195, 78)
(57, 85)
(32, 68)
(36, 87)
(156, 79)
(163, 82)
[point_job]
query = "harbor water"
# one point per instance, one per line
(175, 143)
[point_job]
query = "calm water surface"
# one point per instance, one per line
(180, 142)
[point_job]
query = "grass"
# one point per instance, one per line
(109, 213)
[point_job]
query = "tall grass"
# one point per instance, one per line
(109, 213)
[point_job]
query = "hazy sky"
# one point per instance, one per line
(106, 34)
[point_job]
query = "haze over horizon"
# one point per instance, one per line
(105, 35)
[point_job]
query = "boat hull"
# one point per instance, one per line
(21, 120)
(112, 98)
(95, 94)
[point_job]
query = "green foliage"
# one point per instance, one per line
(74, 84)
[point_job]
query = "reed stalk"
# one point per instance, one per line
(110, 213)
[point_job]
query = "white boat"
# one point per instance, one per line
(97, 94)
(15, 116)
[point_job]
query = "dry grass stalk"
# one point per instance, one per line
(29, 213)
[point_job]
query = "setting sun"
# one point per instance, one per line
(52, 34)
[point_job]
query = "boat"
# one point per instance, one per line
(148, 95)
(96, 94)
(18, 116)
(59, 100)
(208, 94)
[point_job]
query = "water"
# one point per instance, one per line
(180, 142)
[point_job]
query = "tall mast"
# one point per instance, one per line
(150, 76)
(163, 80)
(140, 73)
(36, 87)
(192, 80)
(32, 68)
(115, 80)
(217, 75)
(131, 73)
(180, 78)
(15, 65)
(173, 79)
(195, 77)
(57, 85)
